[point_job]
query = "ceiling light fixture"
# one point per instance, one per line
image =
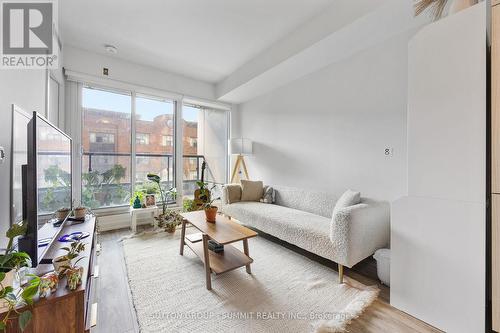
(110, 49)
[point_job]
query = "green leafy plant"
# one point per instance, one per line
(16, 298)
(73, 251)
(172, 192)
(206, 195)
(188, 205)
(12, 259)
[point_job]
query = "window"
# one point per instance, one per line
(205, 136)
(193, 142)
(118, 139)
(142, 139)
(155, 150)
(167, 140)
(101, 138)
(106, 160)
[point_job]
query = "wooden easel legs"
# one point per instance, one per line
(240, 162)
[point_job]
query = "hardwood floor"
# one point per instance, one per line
(116, 312)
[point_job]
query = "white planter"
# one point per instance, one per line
(59, 264)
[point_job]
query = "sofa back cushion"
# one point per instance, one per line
(315, 202)
(233, 193)
(251, 191)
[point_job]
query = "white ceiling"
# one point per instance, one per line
(202, 39)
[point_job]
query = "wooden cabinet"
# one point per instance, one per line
(67, 311)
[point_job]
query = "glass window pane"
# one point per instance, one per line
(106, 161)
(154, 143)
(204, 139)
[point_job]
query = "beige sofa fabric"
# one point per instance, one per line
(251, 191)
(233, 193)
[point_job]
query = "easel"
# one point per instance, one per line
(240, 161)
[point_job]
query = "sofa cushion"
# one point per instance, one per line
(251, 190)
(349, 198)
(233, 193)
(267, 195)
(316, 202)
(305, 230)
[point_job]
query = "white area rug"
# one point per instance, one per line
(286, 292)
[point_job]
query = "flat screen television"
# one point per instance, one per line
(47, 184)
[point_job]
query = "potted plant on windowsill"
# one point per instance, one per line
(74, 274)
(207, 198)
(168, 219)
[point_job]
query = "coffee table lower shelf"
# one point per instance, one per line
(231, 258)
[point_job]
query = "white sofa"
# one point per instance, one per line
(304, 218)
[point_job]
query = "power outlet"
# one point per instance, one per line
(2, 155)
(388, 151)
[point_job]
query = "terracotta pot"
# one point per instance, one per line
(59, 263)
(80, 212)
(62, 213)
(211, 214)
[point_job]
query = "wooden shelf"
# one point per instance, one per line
(228, 260)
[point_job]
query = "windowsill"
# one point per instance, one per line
(125, 209)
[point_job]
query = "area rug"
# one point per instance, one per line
(286, 291)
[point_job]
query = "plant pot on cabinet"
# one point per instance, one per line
(211, 214)
(74, 277)
(60, 263)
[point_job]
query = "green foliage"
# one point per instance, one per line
(73, 251)
(102, 189)
(206, 194)
(24, 295)
(188, 205)
(170, 219)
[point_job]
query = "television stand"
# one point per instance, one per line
(65, 310)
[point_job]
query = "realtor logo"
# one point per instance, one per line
(27, 34)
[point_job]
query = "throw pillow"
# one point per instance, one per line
(268, 195)
(349, 198)
(233, 193)
(251, 191)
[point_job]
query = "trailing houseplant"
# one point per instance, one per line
(14, 298)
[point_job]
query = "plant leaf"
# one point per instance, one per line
(24, 319)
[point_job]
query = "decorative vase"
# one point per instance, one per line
(48, 284)
(74, 277)
(458, 5)
(211, 214)
(60, 263)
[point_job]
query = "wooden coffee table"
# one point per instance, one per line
(224, 231)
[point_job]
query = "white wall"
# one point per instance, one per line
(26, 89)
(328, 130)
(438, 229)
(92, 64)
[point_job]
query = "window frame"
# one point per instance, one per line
(134, 93)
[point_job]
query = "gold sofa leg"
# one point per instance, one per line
(341, 273)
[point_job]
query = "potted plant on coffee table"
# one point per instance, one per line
(207, 197)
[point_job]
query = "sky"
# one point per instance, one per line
(146, 109)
